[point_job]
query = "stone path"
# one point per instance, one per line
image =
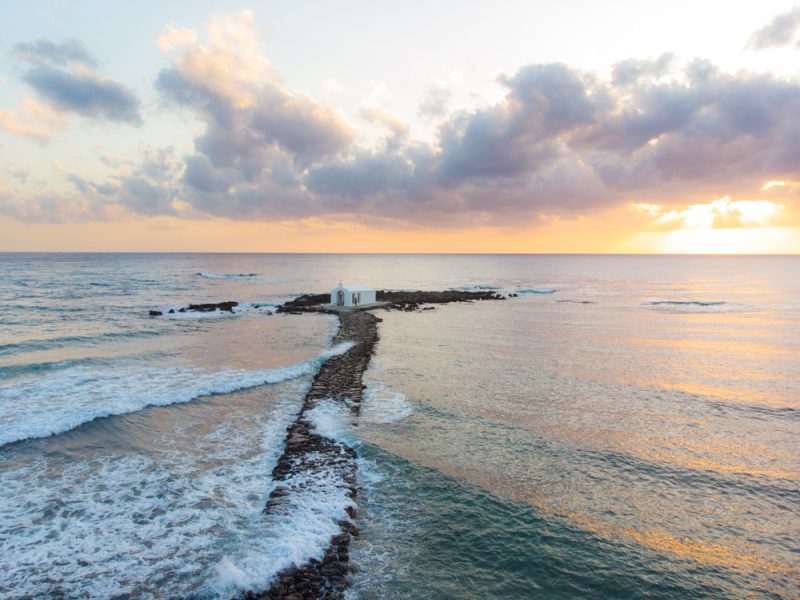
(308, 454)
(311, 460)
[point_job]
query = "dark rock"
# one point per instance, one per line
(156, 313)
(226, 306)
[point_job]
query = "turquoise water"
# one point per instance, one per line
(627, 427)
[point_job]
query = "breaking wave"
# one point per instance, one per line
(491, 288)
(54, 404)
(302, 526)
(116, 524)
(477, 288)
(384, 405)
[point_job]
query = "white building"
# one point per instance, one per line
(352, 295)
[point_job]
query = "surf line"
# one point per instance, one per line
(310, 459)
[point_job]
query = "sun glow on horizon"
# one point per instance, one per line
(722, 226)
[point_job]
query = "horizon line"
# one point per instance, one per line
(667, 254)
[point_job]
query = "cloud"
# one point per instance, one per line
(250, 116)
(174, 37)
(781, 31)
(559, 142)
(78, 90)
(150, 187)
(64, 53)
(36, 121)
(435, 101)
(631, 71)
(521, 133)
(85, 93)
(49, 208)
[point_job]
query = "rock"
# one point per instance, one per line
(156, 313)
(172, 311)
(225, 306)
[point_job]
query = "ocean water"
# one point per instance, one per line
(627, 427)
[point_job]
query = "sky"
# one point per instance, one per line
(293, 126)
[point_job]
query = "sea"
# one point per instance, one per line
(623, 427)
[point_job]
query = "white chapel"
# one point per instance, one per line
(352, 295)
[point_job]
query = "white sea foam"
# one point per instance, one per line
(58, 402)
(300, 528)
(292, 533)
(117, 524)
(477, 288)
(332, 419)
(501, 290)
(243, 309)
(384, 405)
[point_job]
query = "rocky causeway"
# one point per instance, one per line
(311, 459)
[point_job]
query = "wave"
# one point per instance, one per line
(297, 530)
(243, 309)
(57, 342)
(55, 404)
(332, 419)
(227, 275)
(688, 302)
(490, 288)
(300, 529)
(181, 510)
(303, 525)
(37, 368)
(476, 288)
(383, 405)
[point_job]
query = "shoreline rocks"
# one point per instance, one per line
(406, 301)
(227, 306)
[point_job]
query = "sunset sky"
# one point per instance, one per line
(292, 126)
